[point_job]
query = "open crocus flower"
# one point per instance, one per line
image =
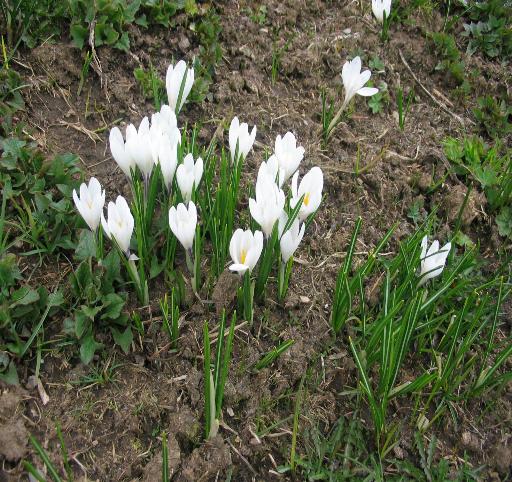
(183, 222)
(311, 188)
(271, 170)
(354, 80)
(189, 176)
(239, 135)
(290, 239)
(119, 224)
(173, 80)
(90, 203)
(432, 260)
(245, 250)
(268, 205)
(379, 7)
(288, 154)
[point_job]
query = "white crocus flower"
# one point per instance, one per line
(119, 224)
(173, 81)
(189, 176)
(139, 146)
(245, 250)
(311, 188)
(433, 260)
(183, 222)
(268, 205)
(239, 135)
(165, 121)
(119, 149)
(90, 203)
(168, 160)
(290, 239)
(271, 170)
(379, 7)
(354, 80)
(288, 154)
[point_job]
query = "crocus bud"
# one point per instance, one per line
(189, 176)
(90, 203)
(433, 260)
(268, 205)
(239, 135)
(311, 188)
(271, 170)
(245, 250)
(288, 154)
(354, 80)
(119, 224)
(183, 222)
(379, 7)
(173, 81)
(291, 238)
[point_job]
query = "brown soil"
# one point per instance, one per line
(112, 429)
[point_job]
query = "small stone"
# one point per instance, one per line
(470, 441)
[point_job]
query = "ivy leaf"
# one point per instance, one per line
(86, 247)
(11, 375)
(88, 348)
(123, 339)
(24, 296)
(504, 222)
(113, 305)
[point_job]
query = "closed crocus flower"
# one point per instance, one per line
(239, 135)
(138, 144)
(432, 260)
(290, 239)
(165, 121)
(245, 250)
(167, 156)
(354, 80)
(311, 188)
(119, 148)
(189, 176)
(268, 205)
(119, 224)
(270, 169)
(379, 7)
(183, 222)
(173, 80)
(288, 154)
(90, 203)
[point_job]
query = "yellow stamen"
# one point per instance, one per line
(243, 255)
(306, 199)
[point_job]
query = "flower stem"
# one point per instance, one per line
(335, 120)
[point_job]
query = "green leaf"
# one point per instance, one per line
(82, 324)
(88, 347)
(11, 375)
(123, 339)
(504, 222)
(86, 247)
(79, 35)
(24, 296)
(123, 43)
(112, 305)
(90, 311)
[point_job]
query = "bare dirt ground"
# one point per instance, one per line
(111, 429)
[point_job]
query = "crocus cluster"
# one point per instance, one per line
(271, 206)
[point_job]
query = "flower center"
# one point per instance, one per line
(243, 255)
(306, 199)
